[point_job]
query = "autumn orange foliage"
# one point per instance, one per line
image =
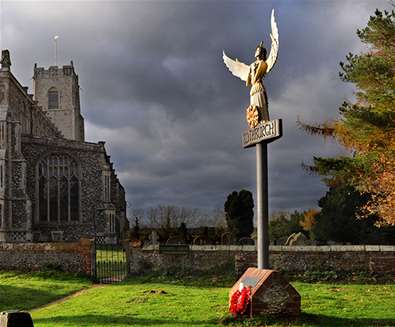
(309, 217)
(367, 127)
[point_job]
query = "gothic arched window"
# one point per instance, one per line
(53, 98)
(58, 189)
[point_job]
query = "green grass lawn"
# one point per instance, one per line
(198, 301)
(26, 291)
(203, 302)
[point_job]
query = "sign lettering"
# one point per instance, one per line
(268, 132)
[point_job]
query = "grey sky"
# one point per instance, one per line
(155, 89)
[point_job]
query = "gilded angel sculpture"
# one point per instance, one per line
(253, 74)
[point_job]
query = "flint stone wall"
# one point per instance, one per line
(198, 259)
(90, 160)
(377, 259)
(71, 257)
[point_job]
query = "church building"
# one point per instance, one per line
(54, 186)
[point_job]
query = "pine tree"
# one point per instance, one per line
(136, 228)
(337, 219)
(239, 214)
(366, 127)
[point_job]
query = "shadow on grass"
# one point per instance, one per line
(307, 319)
(23, 298)
(209, 280)
(127, 320)
(206, 281)
(322, 320)
(50, 275)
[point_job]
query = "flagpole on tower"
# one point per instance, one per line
(1, 24)
(55, 38)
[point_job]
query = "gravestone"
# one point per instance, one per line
(297, 239)
(15, 319)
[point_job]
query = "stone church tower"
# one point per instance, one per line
(57, 91)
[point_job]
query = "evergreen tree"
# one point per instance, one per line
(367, 127)
(239, 214)
(183, 232)
(136, 229)
(338, 220)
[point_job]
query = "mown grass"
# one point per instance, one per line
(20, 291)
(202, 301)
(192, 301)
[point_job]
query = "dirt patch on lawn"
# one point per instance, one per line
(70, 296)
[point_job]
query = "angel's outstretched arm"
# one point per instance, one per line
(248, 81)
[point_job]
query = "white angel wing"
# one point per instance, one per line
(271, 60)
(236, 67)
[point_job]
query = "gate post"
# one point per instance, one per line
(86, 249)
(126, 247)
(93, 260)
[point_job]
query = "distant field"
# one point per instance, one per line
(166, 301)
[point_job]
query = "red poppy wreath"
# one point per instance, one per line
(240, 301)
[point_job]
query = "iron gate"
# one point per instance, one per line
(111, 264)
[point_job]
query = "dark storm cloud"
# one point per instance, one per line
(155, 88)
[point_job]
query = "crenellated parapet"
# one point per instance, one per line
(55, 71)
(57, 91)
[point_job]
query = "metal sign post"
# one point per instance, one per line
(260, 137)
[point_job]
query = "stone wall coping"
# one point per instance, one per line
(150, 247)
(45, 247)
(283, 248)
(387, 248)
(223, 248)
